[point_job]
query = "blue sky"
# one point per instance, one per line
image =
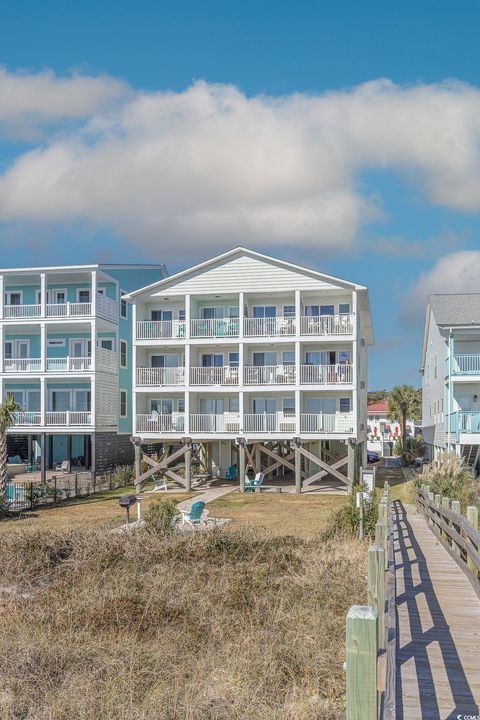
(400, 215)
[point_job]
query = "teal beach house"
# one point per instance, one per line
(66, 340)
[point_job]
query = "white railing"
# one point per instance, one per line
(22, 311)
(69, 364)
(269, 422)
(226, 422)
(160, 329)
(266, 327)
(156, 423)
(27, 418)
(215, 327)
(466, 364)
(20, 365)
(106, 307)
(326, 422)
(326, 374)
(269, 374)
(327, 325)
(156, 377)
(69, 309)
(106, 360)
(68, 417)
(214, 375)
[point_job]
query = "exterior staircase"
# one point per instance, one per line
(470, 454)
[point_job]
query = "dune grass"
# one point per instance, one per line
(230, 624)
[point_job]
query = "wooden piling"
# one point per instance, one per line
(362, 702)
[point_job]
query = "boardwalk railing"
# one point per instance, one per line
(371, 631)
(457, 533)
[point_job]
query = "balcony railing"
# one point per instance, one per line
(157, 423)
(106, 308)
(215, 328)
(327, 325)
(27, 417)
(68, 417)
(269, 374)
(222, 423)
(69, 364)
(226, 375)
(22, 365)
(269, 422)
(326, 422)
(268, 327)
(465, 422)
(161, 329)
(158, 377)
(466, 364)
(326, 374)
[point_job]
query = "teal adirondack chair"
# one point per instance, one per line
(194, 515)
(232, 473)
(250, 485)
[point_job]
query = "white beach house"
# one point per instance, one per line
(249, 354)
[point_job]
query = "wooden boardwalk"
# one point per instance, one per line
(438, 655)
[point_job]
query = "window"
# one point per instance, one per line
(123, 354)
(18, 396)
(313, 358)
(344, 405)
(289, 311)
(13, 298)
(267, 311)
(233, 312)
(165, 315)
(105, 343)
(56, 342)
(123, 308)
(211, 313)
(33, 400)
(327, 310)
(83, 295)
(212, 360)
(288, 357)
(262, 359)
(8, 350)
(181, 314)
(233, 359)
(123, 404)
(288, 406)
(344, 309)
(59, 297)
(345, 357)
(82, 400)
(312, 310)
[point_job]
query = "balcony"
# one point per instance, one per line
(226, 375)
(156, 423)
(327, 325)
(106, 360)
(106, 308)
(161, 330)
(222, 423)
(269, 327)
(160, 377)
(326, 423)
(269, 374)
(269, 422)
(326, 374)
(68, 418)
(465, 422)
(466, 364)
(215, 328)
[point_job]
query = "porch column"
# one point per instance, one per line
(2, 298)
(43, 347)
(298, 313)
(188, 310)
(94, 292)
(241, 463)
(93, 456)
(188, 468)
(43, 458)
(93, 402)
(298, 466)
(43, 401)
(187, 390)
(134, 367)
(355, 365)
(43, 294)
(2, 348)
(351, 467)
(93, 344)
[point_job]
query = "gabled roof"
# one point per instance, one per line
(450, 310)
(239, 251)
(378, 407)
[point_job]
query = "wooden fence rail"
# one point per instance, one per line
(371, 631)
(458, 534)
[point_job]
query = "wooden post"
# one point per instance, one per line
(258, 459)
(138, 465)
(380, 534)
(456, 509)
(241, 465)
(376, 588)
(472, 517)
(438, 500)
(446, 504)
(362, 663)
(188, 469)
(298, 469)
(431, 497)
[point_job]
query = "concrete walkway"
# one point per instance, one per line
(208, 496)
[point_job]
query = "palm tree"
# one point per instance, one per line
(7, 412)
(404, 401)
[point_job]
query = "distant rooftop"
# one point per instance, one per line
(378, 407)
(459, 309)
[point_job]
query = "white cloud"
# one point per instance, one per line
(457, 272)
(211, 167)
(28, 101)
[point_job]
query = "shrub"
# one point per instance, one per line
(159, 516)
(346, 520)
(448, 476)
(414, 447)
(123, 475)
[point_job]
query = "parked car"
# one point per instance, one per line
(372, 456)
